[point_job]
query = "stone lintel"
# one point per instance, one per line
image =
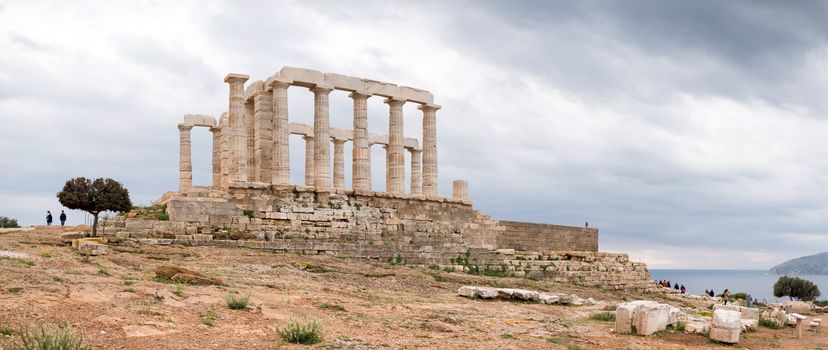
(252, 89)
(426, 106)
(249, 184)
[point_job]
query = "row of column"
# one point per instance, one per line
(258, 135)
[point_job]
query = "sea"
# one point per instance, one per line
(757, 283)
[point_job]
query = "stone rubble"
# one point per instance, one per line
(476, 292)
(727, 325)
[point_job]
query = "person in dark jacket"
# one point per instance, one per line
(48, 218)
(62, 218)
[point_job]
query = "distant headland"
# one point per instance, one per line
(807, 265)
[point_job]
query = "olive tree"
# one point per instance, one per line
(8, 222)
(95, 197)
(795, 288)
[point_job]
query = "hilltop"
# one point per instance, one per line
(807, 265)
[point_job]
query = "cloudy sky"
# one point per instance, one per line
(693, 134)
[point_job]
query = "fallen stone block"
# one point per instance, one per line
(92, 248)
(730, 336)
(547, 298)
(68, 237)
(527, 295)
(478, 292)
(651, 318)
(727, 319)
(750, 313)
(625, 314)
(730, 307)
(697, 327)
(99, 240)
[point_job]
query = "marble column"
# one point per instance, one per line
(416, 171)
(429, 149)
(394, 158)
(339, 164)
(309, 158)
(361, 162)
(249, 139)
(281, 134)
(263, 136)
(321, 134)
(238, 141)
(216, 156)
(460, 190)
(185, 162)
(226, 157)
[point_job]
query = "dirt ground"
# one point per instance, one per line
(115, 303)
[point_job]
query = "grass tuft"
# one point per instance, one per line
(770, 323)
(307, 333)
(237, 303)
(18, 261)
(49, 337)
(207, 318)
(604, 316)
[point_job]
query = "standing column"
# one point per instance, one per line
(185, 162)
(394, 158)
(429, 148)
(238, 141)
(226, 158)
(252, 162)
(309, 168)
(263, 140)
(321, 134)
(339, 164)
(361, 162)
(281, 134)
(216, 156)
(416, 174)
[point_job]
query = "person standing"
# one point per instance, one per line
(749, 301)
(726, 296)
(62, 218)
(48, 218)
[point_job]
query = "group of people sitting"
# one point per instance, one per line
(667, 284)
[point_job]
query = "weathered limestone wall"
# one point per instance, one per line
(528, 236)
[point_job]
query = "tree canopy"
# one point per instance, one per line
(8, 222)
(95, 197)
(795, 288)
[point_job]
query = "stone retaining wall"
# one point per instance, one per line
(533, 237)
(437, 233)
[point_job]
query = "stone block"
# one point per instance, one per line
(92, 248)
(99, 240)
(202, 237)
(727, 319)
(651, 318)
(697, 327)
(183, 237)
(730, 336)
(68, 237)
(730, 307)
(625, 313)
(750, 313)
(749, 325)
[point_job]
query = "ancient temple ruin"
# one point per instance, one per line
(252, 203)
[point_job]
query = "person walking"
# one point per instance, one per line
(726, 296)
(62, 218)
(48, 218)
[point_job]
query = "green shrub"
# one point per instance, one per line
(604, 316)
(248, 213)
(795, 288)
(49, 337)
(237, 303)
(821, 303)
(770, 323)
(307, 333)
(680, 327)
(8, 222)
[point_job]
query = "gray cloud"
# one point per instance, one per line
(677, 128)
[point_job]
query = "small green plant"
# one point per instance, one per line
(397, 260)
(434, 267)
(45, 255)
(235, 303)
(704, 313)
(18, 261)
(129, 282)
(357, 206)
(604, 316)
(307, 333)
(15, 290)
(680, 326)
(103, 272)
(207, 318)
(86, 259)
(770, 323)
(249, 213)
(49, 337)
(179, 291)
(6, 331)
(506, 336)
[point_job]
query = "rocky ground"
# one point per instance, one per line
(114, 301)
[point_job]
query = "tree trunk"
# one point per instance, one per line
(95, 225)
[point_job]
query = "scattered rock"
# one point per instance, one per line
(749, 325)
(68, 237)
(521, 294)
